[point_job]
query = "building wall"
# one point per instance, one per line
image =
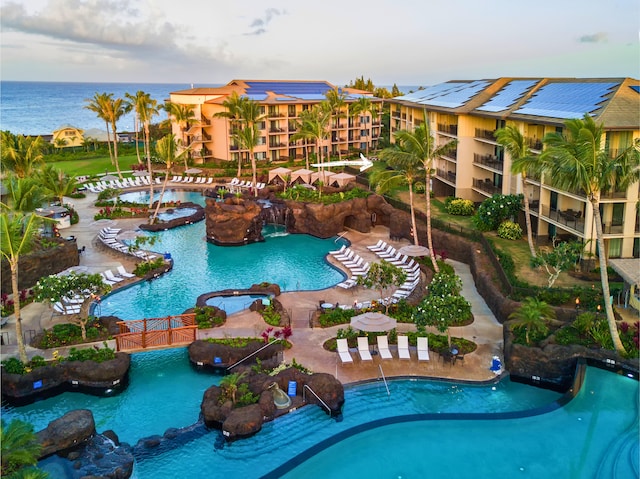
(72, 137)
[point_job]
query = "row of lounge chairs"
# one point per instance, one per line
(391, 255)
(125, 183)
(196, 180)
(235, 184)
(353, 262)
(383, 349)
(108, 236)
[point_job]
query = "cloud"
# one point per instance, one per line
(600, 37)
(259, 24)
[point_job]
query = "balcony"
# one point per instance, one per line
(276, 130)
(488, 160)
(206, 137)
(449, 176)
(569, 218)
(486, 186)
(205, 121)
(395, 114)
(485, 134)
(534, 144)
(452, 153)
(448, 129)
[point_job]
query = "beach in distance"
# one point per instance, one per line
(38, 108)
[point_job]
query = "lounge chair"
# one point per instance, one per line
(124, 273)
(377, 247)
(338, 251)
(107, 281)
(423, 348)
(209, 181)
(347, 283)
(383, 347)
(112, 277)
(66, 308)
(343, 351)
(403, 347)
(389, 253)
(363, 349)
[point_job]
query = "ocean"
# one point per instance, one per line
(39, 108)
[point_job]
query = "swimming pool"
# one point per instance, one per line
(233, 304)
(182, 196)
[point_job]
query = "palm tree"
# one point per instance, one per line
(421, 144)
(336, 101)
(181, 114)
(533, 316)
(313, 125)
(146, 108)
(249, 136)
(99, 104)
(522, 161)
(60, 143)
(57, 183)
(230, 384)
(362, 106)
(19, 445)
(580, 160)
(115, 110)
(167, 150)
(21, 155)
(406, 168)
(233, 106)
(131, 104)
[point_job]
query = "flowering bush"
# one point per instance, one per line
(442, 311)
(510, 230)
(459, 207)
(7, 306)
(497, 209)
(444, 283)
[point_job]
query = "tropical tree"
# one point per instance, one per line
(312, 125)
(54, 288)
(533, 316)
(578, 159)
(182, 114)
(522, 162)
(115, 110)
(406, 169)
(168, 152)
(420, 144)
(361, 106)
(23, 195)
(233, 106)
(99, 104)
(57, 183)
(21, 155)
(381, 276)
(336, 101)
(60, 143)
(230, 384)
(560, 258)
(19, 445)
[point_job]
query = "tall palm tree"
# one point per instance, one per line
(580, 160)
(21, 155)
(233, 106)
(250, 116)
(146, 108)
(533, 316)
(406, 169)
(131, 104)
(337, 101)
(19, 444)
(99, 104)
(168, 151)
(182, 114)
(361, 106)
(57, 183)
(522, 161)
(313, 124)
(115, 110)
(421, 144)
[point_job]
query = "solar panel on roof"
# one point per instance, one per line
(288, 88)
(508, 95)
(566, 100)
(635, 88)
(260, 97)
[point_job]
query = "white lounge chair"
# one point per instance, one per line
(124, 273)
(423, 348)
(107, 281)
(347, 283)
(403, 347)
(112, 277)
(209, 181)
(376, 247)
(338, 251)
(390, 252)
(363, 349)
(383, 347)
(343, 351)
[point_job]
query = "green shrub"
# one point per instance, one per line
(37, 362)
(509, 230)
(13, 366)
(145, 267)
(335, 317)
(459, 207)
(271, 316)
(205, 317)
(92, 354)
(244, 396)
(445, 283)
(495, 210)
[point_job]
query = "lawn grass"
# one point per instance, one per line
(94, 165)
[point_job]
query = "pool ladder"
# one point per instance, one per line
(304, 397)
(252, 354)
(340, 236)
(384, 379)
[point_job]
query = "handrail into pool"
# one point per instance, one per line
(384, 379)
(252, 354)
(304, 398)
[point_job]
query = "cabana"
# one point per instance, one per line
(301, 176)
(324, 176)
(279, 173)
(341, 179)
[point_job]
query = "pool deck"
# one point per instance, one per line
(307, 341)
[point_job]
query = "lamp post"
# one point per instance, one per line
(577, 303)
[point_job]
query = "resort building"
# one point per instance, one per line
(471, 111)
(67, 136)
(211, 137)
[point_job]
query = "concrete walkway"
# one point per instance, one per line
(307, 341)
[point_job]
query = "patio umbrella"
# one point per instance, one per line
(193, 171)
(414, 250)
(141, 173)
(373, 322)
(110, 177)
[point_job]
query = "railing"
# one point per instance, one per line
(156, 332)
(567, 218)
(304, 397)
(488, 160)
(446, 175)
(485, 134)
(534, 144)
(384, 379)
(487, 186)
(450, 129)
(251, 355)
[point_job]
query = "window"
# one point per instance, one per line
(262, 140)
(364, 133)
(615, 247)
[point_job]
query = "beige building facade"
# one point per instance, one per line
(471, 111)
(211, 137)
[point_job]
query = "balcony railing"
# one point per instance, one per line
(450, 129)
(569, 218)
(487, 186)
(488, 160)
(205, 121)
(276, 130)
(206, 136)
(485, 134)
(453, 154)
(450, 176)
(534, 144)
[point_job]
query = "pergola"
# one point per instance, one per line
(341, 179)
(279, 172)
(303, 175)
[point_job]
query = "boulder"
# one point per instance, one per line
(230, 223)
(198, 215)
(72, 429)
(242, 422)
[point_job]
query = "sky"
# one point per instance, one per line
(418, 42)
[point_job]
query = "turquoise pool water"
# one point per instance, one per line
(233, 304)
(169, 195)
